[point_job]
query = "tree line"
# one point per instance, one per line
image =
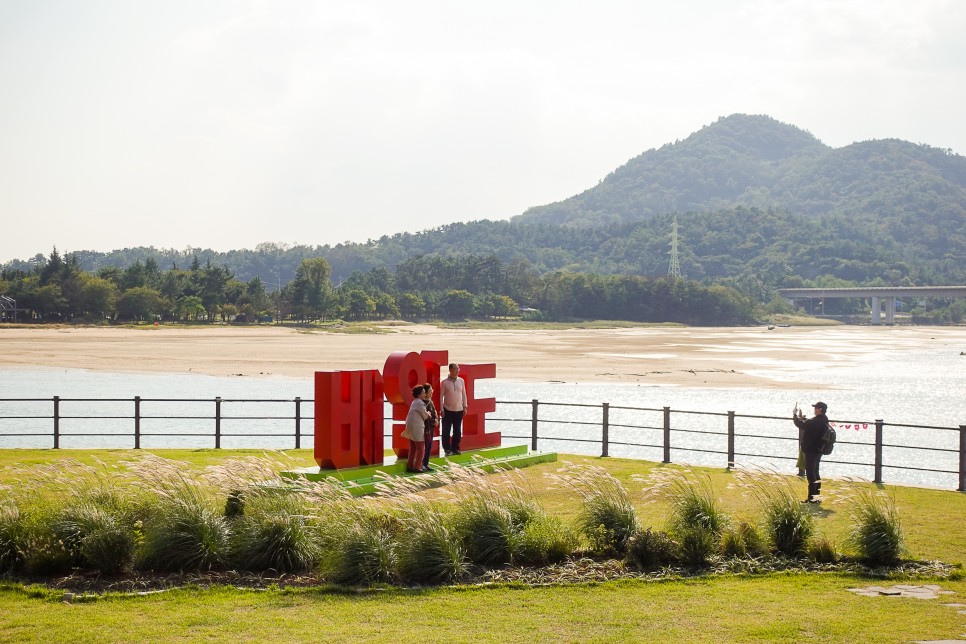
(771, 245)
(419, 287)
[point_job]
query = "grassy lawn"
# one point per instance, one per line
(777, 607)
(792, 608)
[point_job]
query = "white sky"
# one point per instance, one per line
(224, 124)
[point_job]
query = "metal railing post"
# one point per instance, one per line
(298, 422)
(605, 430)
(731, 440)
(877, 478)
(962, 458)
(667, 434)
(218, 422)
(56, 422)
(137, 422)
(533, 425)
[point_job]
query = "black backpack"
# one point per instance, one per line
(828, 440)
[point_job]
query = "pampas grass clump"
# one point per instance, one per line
(876, 530)
(606, 518)
(74, 515)
(486, 531)
(693, 506)
(186, 529)
(11, 535)
(787, 523)
(696, 521)
(491, 512)
(185, 537)
(276, 523)
(359, 551)
(741, 540)
(498, 521)
(95, 538)
(43, 553)
(823, 550)
(544, 540)
(280, 539)
(71, 515)
(429, 549)
(696, 544)
(648, 549)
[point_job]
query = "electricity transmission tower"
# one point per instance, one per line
(674, 267)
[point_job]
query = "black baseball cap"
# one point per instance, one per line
(822, 405)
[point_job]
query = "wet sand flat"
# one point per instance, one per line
(693, 357)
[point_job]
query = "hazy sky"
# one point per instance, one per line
(224, 124)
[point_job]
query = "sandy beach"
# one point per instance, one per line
(693, 357)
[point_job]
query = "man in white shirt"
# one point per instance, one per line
(453, 399)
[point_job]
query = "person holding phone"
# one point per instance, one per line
(813, 435)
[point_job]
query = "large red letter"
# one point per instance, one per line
(434, 360)
(348, 418)
(403, 371)
(474, 422)
(337, 421)
(373, 424)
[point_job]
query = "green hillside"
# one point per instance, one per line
(755, 161)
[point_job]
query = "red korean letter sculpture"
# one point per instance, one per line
(348, 418)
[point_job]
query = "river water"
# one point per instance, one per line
(904, 387)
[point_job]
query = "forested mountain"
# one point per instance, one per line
(757, 202)
(755, 161)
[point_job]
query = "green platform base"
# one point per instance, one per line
(362, 480)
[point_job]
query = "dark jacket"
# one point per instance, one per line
(433, 419)
(813, 430)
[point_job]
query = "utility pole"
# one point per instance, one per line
(674, 267)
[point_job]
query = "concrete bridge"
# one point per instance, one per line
(879, 294)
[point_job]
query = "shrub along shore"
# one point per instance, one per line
(135, 520)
